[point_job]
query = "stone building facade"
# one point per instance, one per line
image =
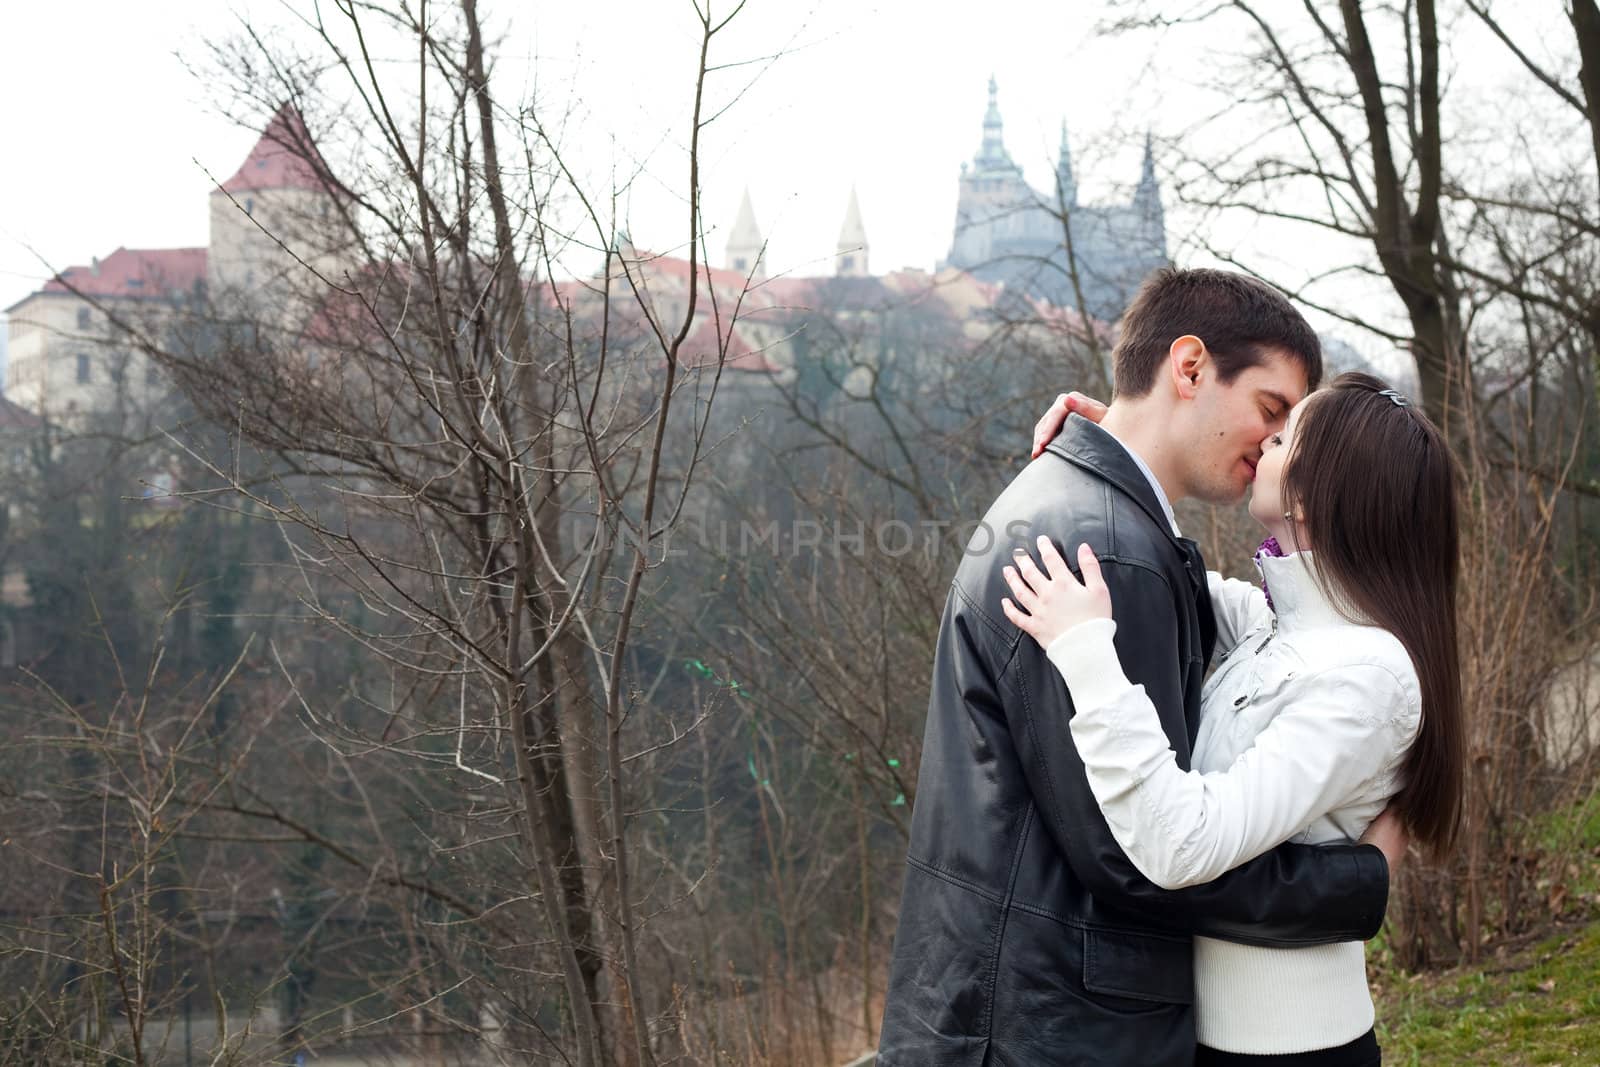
(75, 347)
(1008, 232)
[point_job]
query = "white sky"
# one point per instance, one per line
(107, 132)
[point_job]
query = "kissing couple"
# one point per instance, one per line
(1116, 858)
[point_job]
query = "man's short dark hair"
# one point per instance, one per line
(1239, 318)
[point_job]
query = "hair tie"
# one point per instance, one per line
(1399, 401)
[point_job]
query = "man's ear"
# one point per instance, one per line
(1189, 362)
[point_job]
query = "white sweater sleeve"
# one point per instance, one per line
(1238, 606)
(1182, 828)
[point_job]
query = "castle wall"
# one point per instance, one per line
(67, 360)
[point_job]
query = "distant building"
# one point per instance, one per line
(746, 249)
(1012, 235)
(68, 355)
(272, 220)
(851, 258)
(74, 345)
(1007, 232)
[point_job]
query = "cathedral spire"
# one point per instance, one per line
(992, 153)
(745, 243)
(1147, 202)
(1147, 172)
(1066, 184)
(852, 260)
(1147, 196)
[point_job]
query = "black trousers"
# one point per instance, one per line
(1362, 1052)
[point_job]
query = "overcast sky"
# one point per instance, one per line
(109, 136)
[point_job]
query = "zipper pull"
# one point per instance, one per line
(1273, 632)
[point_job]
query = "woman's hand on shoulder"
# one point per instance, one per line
(1052, 598)
(1049, 424)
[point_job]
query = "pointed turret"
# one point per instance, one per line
(1066, 184)
(744, 242)
(1147, 210)
(852, 261)
(1147, 196)
(992, 153)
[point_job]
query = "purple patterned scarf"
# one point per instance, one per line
(1269, 547)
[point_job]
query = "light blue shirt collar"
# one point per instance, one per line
(1150, 476)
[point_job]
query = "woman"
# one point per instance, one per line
(1337, 693)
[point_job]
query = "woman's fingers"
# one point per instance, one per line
(1090, 566)
(1087, 406)
(1065, 404)
(1051, 560)
(1019, 589)
(1021, 621)
(1050, 422)
(1028, 569)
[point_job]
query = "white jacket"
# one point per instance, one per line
(1305, 725)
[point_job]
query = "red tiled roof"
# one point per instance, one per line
(152, 272)
(284, 158)
(705, 344)
(13, 417)
(678, 269)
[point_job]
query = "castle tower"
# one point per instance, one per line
(852, 257)
(282, 193)
(994, 203)
(745, 247)
(1008, 233)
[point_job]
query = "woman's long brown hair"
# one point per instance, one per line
(1376, 485)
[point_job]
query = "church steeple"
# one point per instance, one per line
(1147, 196)
(992, 153)
(744, 242)
(1147, 173)
(852, 261)
(1147, 202)
(1066, 184)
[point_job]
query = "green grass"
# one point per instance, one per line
(1535, 1005)
(1579, 824)
(1574, 833)
(1540, 1005)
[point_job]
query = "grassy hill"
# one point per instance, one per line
(1538, 1005)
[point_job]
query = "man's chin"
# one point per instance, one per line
(1223, 495)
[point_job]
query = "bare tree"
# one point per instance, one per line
(469, 474)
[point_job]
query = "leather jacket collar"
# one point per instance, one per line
(1086, 445)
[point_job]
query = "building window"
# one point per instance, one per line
(83, 367)
(83, 318)
(250, 206)
(739, 264)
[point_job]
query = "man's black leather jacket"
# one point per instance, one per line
(1026, 937)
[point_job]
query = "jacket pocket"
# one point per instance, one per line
(1139, 966)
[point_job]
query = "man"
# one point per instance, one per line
(1026, 937)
